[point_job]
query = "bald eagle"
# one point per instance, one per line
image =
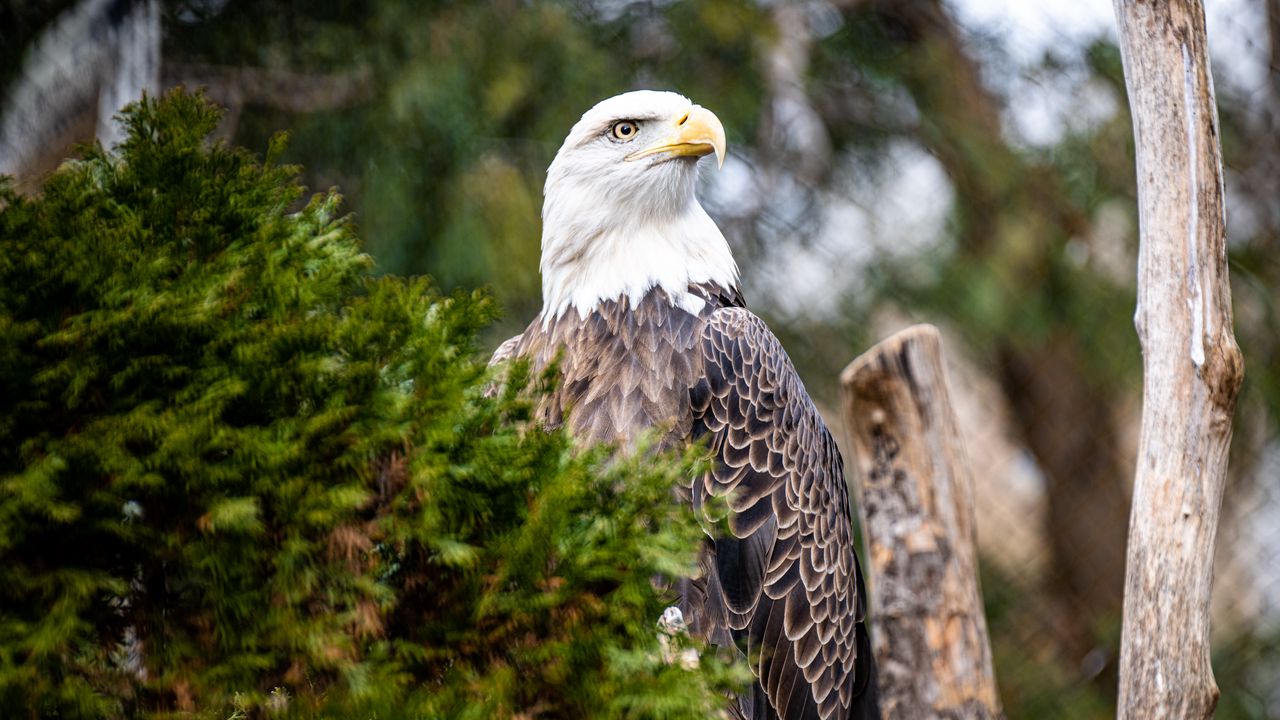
(642, 308)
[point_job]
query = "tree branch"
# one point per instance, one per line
(234, 87)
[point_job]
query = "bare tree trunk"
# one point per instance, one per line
(1192, 366)
(134, 67)
(94, 59)
(915, 497)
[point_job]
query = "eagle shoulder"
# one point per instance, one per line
(507, 350)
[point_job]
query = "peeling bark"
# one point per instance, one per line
(914, 493)
(1192, 366)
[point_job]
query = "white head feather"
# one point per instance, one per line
(616, 225)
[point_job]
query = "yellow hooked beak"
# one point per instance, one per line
(694, 133)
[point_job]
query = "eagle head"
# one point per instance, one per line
(620, 217)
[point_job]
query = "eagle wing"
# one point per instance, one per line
(782, 578)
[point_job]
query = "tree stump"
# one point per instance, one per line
(914, 490)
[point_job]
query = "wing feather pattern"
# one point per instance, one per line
(786, 581)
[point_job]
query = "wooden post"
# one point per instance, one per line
(915, 496)
(1192, 369)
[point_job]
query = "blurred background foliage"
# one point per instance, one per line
(890, 161)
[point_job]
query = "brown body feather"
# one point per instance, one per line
(779, 578)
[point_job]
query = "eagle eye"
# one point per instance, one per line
(624, 130)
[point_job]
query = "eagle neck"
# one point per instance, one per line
(585, 267)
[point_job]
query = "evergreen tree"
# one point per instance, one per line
(240, 476)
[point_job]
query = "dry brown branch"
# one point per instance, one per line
(279, 89)
(234, 87)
